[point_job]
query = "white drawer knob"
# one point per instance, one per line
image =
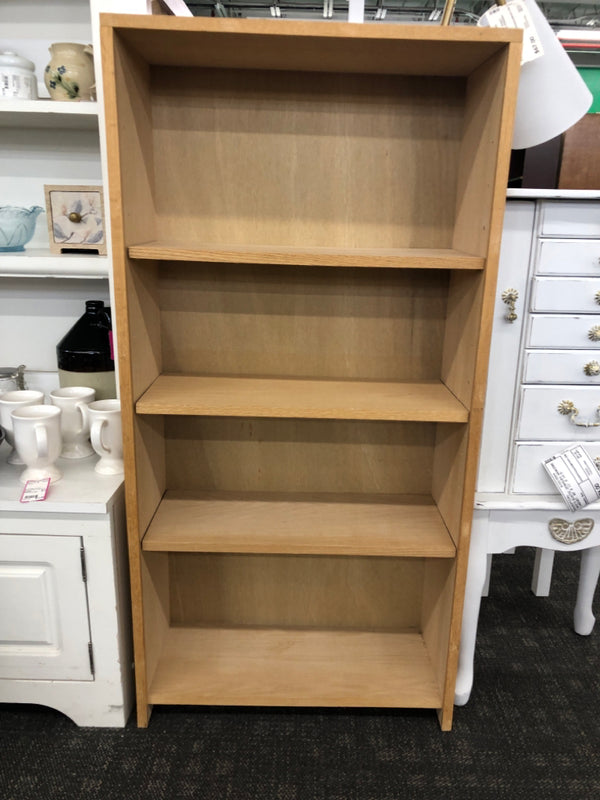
(569, 409)
(597, 297)
(510, 297)
(594, 333)
(592, 368)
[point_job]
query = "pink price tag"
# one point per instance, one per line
(35, 490)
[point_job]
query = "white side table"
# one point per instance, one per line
(545, 355)
(64, 596)
(499, 530)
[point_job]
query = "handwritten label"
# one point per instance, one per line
(575, 475)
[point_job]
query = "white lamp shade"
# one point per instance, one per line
(552, 94)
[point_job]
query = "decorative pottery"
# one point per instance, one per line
(17, 225)
(70, 73)
(17, 78)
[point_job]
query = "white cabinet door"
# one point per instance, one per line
(505, 346)
(44, 629)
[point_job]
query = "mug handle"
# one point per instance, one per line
(96, 437)
(85, 417)
(41, 441)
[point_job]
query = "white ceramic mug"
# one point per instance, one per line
(36, 431)
(73, 401)
(106, 435)
(9, 401)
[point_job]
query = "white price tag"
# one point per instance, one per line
(575, 475)
(35, 490)
(515, 15)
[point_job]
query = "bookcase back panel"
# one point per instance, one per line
(305, 158)
(299, 591)
(271, 455)
(302, 322)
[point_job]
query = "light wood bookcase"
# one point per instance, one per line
(306, 221)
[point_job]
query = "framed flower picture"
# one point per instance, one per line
(75, 219)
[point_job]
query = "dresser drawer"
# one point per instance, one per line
(540, 419)
(560, 331)
(566, 294)
(569, 257)
(570, 218)
(529, 476)
(562, 366)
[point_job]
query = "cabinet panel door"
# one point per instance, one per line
(505, 346)
(44, 628)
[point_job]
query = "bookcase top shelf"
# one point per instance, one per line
(394, 258)
(428, 401)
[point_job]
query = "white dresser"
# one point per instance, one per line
(543, 395)
(64, 597)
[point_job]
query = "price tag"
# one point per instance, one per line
(35, 491)
(515, 15)
(575, 475)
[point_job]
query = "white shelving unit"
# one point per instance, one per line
(45, 142)
(66, 643)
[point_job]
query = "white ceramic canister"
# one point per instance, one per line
(17, 78)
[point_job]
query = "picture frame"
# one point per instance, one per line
(75, 217)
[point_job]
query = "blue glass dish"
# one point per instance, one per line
(17, 226)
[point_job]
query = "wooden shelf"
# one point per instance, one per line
(393, 258)
(301, 399)
(270, 667)
(317, 524)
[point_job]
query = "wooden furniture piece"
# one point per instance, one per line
(547, 354)
(306, 222)
(65, 629)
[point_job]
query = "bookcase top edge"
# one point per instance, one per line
(312, 28)
(311, 46)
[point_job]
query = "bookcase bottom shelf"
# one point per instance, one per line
(277, 667)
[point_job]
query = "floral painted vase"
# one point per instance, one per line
(70, 73)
